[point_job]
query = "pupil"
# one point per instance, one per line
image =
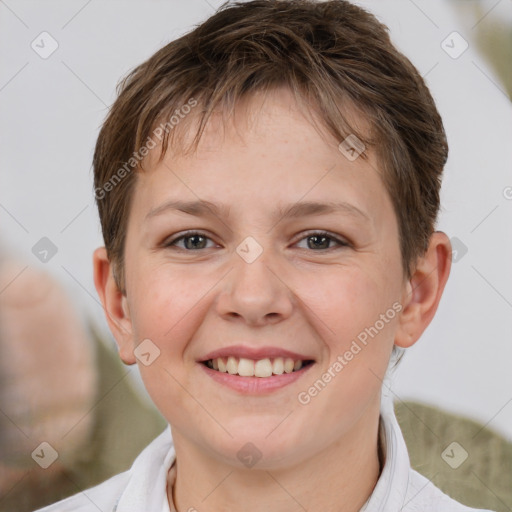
(323, 239)
(193, 245)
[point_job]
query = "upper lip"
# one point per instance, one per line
(254, 353)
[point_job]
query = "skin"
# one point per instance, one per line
(321, 456)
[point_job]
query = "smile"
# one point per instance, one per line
(266, 367)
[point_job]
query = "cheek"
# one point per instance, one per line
(167, 304)
(357, 314)
(348, 300)
(170, 310)
(168, 307)
(355, 317)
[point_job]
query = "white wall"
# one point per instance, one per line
(51, 110)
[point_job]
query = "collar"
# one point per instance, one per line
(147, 485)
(146, 488)
(391, 488)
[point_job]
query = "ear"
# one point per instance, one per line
(115, 305)
(423, 291)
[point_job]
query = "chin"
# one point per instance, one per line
(264, 448)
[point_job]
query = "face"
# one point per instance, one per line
(265, 246)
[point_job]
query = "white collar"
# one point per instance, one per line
(391, 488)
(147, 485)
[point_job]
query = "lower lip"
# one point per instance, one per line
(255, 385)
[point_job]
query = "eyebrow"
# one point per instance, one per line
(203, 208)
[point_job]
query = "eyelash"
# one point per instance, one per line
(189, 234)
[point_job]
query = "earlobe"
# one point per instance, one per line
(422, 293)
(115, 305)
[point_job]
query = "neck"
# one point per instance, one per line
(339, 478)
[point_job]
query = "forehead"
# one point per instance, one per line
(250, 113)
(268, 152)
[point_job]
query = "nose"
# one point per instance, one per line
(255, 293)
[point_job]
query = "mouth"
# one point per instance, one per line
(262, 368)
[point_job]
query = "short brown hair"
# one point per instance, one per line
(326, 53)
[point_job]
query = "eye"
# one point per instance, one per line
(321, 240)
(192, 240)
(196, 240)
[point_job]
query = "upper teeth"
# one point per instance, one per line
(250, 368)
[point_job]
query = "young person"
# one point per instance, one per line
(268, 188)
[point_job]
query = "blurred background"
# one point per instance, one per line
(60, 63)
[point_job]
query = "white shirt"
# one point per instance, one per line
(143, 487)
